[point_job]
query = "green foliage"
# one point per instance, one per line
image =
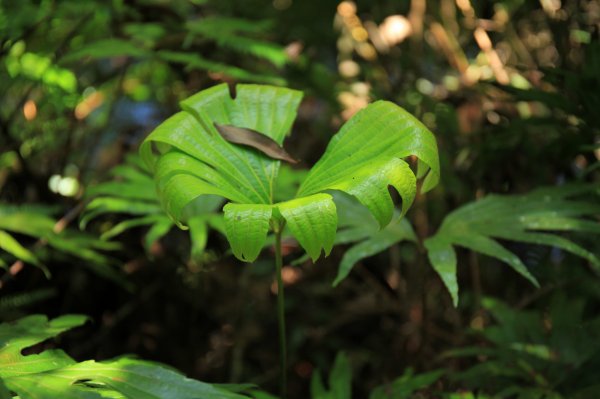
(36, 222)
(406, 385)
(526, 218)
(534, 354)
(361, 160)
(132, 192)
(340, 383)
(143, 41)
(16, 301)
(236, 34)
(510, 89)
(358, 226)
(52, 373)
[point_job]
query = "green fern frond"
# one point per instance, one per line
(132, 192)
(534, 218)
(36, 221)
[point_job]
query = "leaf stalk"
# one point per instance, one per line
(281, 314)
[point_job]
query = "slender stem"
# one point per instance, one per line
(281, 315)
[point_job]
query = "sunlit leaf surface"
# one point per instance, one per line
(190, 158)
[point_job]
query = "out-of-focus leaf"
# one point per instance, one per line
(128, 224)
(405, 386)
(198, 234)
(226, 32)
(340, 378)
(525, 218)
(132, 192)
(526, 357)
(103, 205)
(398, 230)
(195, 61)
(12, 246)
(31, 330)
(106, 48)
(262, 395)
(53, 374)
(20, 299)
(36, 222)
(4, 392)
(340, 381)
(157, 231)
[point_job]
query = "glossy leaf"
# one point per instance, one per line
(130, 377)
(190, 159)
(313, 221)
(529, 218)
(53, 374)
(246, 226)
(363, 159)
(31, 330)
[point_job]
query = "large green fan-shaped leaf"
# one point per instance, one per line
(525, 218)
(363, 159)
(190, 159)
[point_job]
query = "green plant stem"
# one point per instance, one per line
(281, 315)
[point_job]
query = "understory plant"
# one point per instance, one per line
(190, 157)
(53, 374)
(132, 193)
(538, 217)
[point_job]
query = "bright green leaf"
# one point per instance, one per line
(190, 159)
(12, 246)
(246, 226)
(313, 221)
(31, 330)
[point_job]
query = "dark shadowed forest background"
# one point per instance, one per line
(510, 90)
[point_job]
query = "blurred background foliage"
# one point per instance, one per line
(511, 90)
